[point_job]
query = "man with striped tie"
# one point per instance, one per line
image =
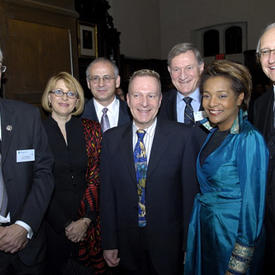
(185, 66)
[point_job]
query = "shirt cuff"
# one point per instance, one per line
(27, 227)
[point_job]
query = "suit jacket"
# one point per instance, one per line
(30, 183)
(263, 113)
(168, 109)
(263, 116)
(90, 113)
(170, 187)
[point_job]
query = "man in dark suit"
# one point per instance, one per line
(103, 79)
(185, 66)
(26, 186)
(264, 120)
(145, 215)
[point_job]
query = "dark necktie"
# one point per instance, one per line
(141, 169)
(105, 124)
(3, 193)
(188, 111)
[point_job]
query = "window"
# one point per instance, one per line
(211, 43)
(222, 39)
(233, 40)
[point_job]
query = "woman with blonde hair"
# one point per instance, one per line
(73, 232)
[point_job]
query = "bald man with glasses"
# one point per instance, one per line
(103, 78)
(264, 120)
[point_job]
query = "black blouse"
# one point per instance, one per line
(69, 171)
(213, 143)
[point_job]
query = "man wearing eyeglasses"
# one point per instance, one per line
(264, 120)
(26, 186)
(102, 79)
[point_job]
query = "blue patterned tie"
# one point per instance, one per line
(188, 111)
(141, 169)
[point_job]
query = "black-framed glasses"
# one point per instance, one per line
(3, 68)
(265, 52)
(97, 78)
(60, 93)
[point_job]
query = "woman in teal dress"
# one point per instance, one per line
(226, 228)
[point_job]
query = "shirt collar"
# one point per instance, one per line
(196, 96)
(111, 107)
(150, 130)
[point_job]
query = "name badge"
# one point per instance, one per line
(25, 155)
(200, 115)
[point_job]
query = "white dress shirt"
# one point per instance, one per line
(113, 111)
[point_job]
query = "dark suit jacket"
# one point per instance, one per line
(168, 109)
(29, 184)
(263, 119)
(263, 113)
(170, 188)
(90, 113)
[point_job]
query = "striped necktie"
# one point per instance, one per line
(188, 111)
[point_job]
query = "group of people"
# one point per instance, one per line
(178, 182)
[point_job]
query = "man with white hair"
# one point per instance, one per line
(264, 120)
(26, 185)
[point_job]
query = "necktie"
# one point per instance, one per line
(188, 111)
(141, 169)
(3, 193)
(105, 124)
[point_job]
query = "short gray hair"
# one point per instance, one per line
(183, 48)
(103, 60)
(268, 27)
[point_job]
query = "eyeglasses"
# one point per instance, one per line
(60, 93)
(97, 78)
(3, 68)
(265, 52)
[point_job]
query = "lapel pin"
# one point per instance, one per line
(9, 128)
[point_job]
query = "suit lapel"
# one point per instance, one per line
(158, 147)
(7, 127)
(93, 112)
(126, 150)
(268, 114)
(174, 106)
(123, 116)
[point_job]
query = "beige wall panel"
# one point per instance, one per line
(39, 51)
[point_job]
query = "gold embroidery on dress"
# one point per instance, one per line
(241, 257)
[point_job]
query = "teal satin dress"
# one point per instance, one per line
(227, 221)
